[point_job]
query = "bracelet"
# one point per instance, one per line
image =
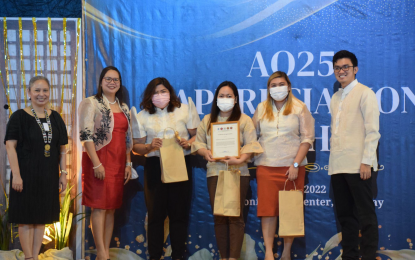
(96, 167)
(63, 153)
(64, 171)
(128, 164)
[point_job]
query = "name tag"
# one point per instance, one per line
(46, 126)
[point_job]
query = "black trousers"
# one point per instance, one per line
(353, 200)
(166, 199)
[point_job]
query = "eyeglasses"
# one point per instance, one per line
(109, 79)
(344, 68)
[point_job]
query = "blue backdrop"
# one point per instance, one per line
(198, 44)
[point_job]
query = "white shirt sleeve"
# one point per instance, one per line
(194, 119)
(370, 112)
(137, 128)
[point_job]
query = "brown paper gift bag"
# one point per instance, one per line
(227, 196)
(291, 213)
(172, 163)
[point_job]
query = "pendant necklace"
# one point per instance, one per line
(111, 103)
(47, 138)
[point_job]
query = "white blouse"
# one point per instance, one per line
(152, 126)
(281, 138)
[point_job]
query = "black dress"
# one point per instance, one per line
(38, 203)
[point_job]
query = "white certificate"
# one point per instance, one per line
(225, 139)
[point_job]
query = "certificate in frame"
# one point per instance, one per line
(225, 139)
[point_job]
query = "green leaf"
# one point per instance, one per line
(68, 229)
(57, 232)
(332, 243)
(65, 211)
(82, 218)
(403, 254)
(202, 254)
(311, 255)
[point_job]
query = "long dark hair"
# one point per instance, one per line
(148, 93)
(236, 111)
(119, 93)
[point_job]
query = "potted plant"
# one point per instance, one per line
(59, 231)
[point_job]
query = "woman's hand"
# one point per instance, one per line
(208, 156)
(17, 183)
(100, 172)
(156, 143)
(292, 173)
(63, 181)
(127, 175)
(185, 144)
(231, 160)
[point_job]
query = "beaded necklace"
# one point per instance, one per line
(47, 135)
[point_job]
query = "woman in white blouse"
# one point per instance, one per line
(229, 230)
(286, 131)
(161, 109)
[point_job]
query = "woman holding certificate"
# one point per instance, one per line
(163, 115)
(229, 230)
(286, 131)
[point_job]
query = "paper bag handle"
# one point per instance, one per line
(286, 184)
(176, 134)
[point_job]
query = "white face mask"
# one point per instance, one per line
(279, 93)
(225, 104)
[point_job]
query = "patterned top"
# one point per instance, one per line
(96, 122)
(282, 137)
(248, 139)
(152, 126)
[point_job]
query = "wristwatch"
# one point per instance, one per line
(129, 164)
(295, 165)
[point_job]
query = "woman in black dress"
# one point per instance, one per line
(35, 142)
